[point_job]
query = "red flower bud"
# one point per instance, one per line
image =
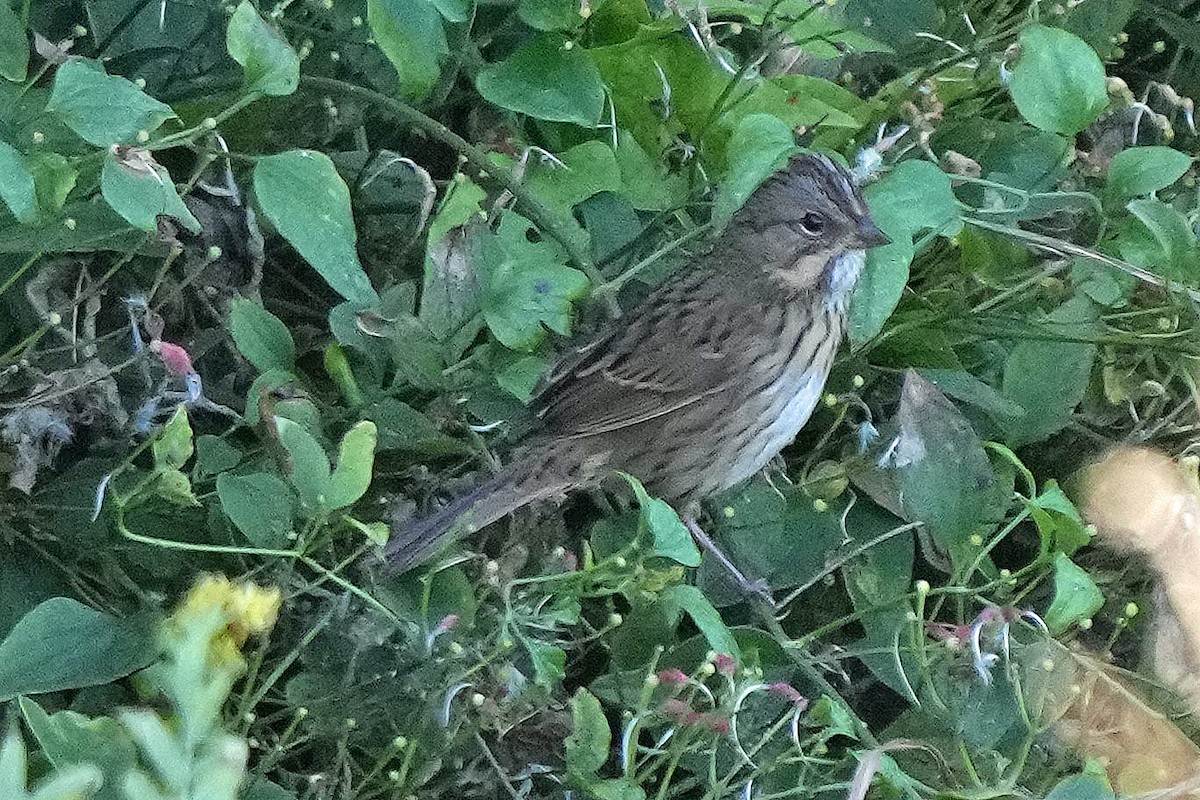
(672, 677)
(174, 358)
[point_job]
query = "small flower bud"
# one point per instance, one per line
(672, 677)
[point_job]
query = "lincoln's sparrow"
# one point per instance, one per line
(703, 383)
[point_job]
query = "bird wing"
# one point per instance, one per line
(659, 358)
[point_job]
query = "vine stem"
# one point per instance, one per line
(562, 228)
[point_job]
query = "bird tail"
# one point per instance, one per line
(525, 481)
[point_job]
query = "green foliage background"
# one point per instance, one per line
(276, 276)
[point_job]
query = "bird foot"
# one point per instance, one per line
(753, 587)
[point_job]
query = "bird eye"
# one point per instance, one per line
(812, 223)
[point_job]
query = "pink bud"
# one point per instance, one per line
(725, 664)
(677, 708)
(175, 358)
(788, 692)
(716, 723)
(672, 677)
(448, 622)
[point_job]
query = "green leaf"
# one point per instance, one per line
(1059, 522)
(455, 10)
(943, 474)
(832, 715)
(644, 182)
(14, 45)
(1076, 596)
(13, 763)
(269, 63)
(356, 460)
(162, 749)
(691, 600)
(173, 447)
(410, 34)
(774, 535)
(261, 337)
(402, 427)
(259, 788)
(894, 22)
(450, 292)
(586, 169)
(527, 286)
(1139, 171)
(613, 789)
(303, 196)
(309, 464)
(1100, 22)
(671, 537)
(760, 146)
(259, 505)
(550, 15)
(588, 743)
(1082, 787)
(214, 455)
(141, 195)
(521, 377)
(1161, 239)
(545, 80)
(549, 663)
(1058, 83)
(103, 109)
(54, 178)
(461, 203)
(67, 739)
(915, 196)
(175, 487)
(17, 186)
(878, 583)
(63, 644)
(1048, 378)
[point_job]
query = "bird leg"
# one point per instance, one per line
(755, 587)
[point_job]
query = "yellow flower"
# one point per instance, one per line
(246, 608)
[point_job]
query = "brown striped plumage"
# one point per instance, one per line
(699, 386)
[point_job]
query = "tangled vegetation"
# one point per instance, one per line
(277, 277)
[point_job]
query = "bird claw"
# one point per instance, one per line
(751, 587)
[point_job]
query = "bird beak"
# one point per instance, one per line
(869, 234)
